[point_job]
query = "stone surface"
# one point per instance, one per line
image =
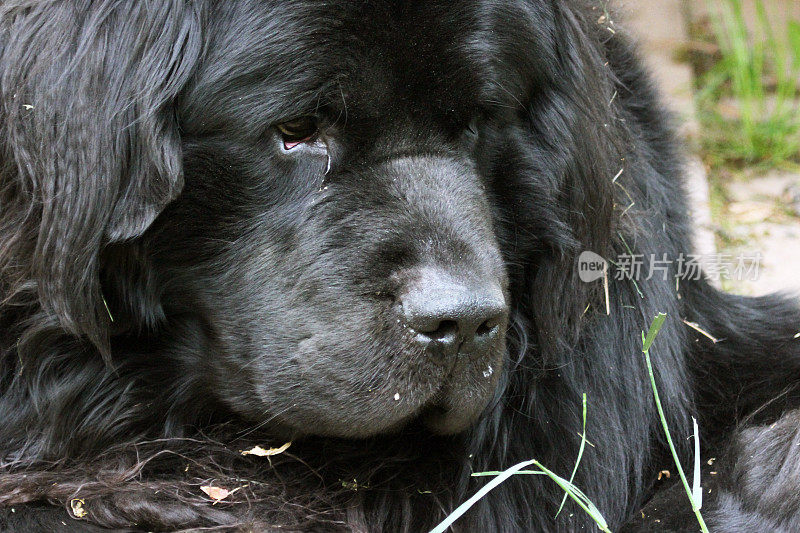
(762, 215)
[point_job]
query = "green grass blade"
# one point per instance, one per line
(793, 36)
(464, 507)
(578, 460)
(697, 490)
(579, 497)
(655, 327)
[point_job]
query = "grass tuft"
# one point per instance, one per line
(749, 101)
(570, 490)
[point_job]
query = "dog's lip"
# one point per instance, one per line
(443, 414)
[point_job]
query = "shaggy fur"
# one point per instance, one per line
(176, 286)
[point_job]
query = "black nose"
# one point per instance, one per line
(451, 316)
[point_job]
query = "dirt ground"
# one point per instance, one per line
(759, 215)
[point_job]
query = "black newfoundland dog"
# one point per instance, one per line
(355, 226)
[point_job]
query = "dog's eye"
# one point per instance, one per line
(298, 131)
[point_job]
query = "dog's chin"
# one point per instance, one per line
(440, 420)
(450, 411)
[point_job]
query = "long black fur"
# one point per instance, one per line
(153, 243)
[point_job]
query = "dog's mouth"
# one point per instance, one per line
(444, 415)
(446, 405)
(453, 409)
(462, 395)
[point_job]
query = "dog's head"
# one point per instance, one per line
(330, 192)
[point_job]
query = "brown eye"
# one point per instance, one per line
(298, 131)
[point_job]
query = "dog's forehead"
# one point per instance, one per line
(270, 61)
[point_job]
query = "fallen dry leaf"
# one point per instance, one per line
(216, 493)
(77, 507)
(258, 451)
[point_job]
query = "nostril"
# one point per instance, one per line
(486, 328)
(438, 337)
(445, 329)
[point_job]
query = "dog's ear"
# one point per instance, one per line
(91, 151)
(573, 148)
